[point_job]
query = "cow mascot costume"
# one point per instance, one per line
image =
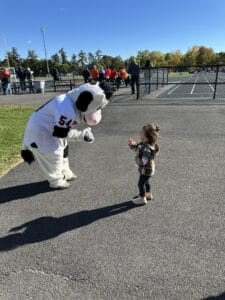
(51, 125)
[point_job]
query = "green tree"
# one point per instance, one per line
(174, 58)
(106, 60)
(31, 61)
(65, 68)
(56, 59)
(14, 58)
(98, 56)
(63, 55)
(82, 59)
(128, 61)
(190, 56)
(74, 64)
(220, 58)
(117, 62)
(156, 58)
(91, 59)
(205, 56)
(41, 67)
(142, 57)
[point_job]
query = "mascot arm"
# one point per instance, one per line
(75, 135)
(84, 135)
(60, 132)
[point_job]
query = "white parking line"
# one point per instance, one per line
(171, 91)
(212, 88)
(179, 85)
(194, 85)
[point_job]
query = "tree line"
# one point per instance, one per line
(197, 55)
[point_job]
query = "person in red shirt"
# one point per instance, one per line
(5, 79)
(113, 75)
(107, 73)
(123, 74)
(94, 73)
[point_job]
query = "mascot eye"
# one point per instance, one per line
(99, 108)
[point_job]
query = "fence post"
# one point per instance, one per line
(138, 89)
(216, 80)
(157, 79)
(163, 77)
(167, 76)
(54, 84)
(149, 80)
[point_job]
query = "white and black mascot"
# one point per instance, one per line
(51, 125)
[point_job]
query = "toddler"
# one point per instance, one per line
(146, 151)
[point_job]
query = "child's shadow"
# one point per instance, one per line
(46, 228)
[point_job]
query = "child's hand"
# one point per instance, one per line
(132, 142)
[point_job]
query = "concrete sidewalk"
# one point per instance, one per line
(89, 242)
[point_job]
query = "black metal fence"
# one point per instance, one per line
(38, 86)
(186, 81)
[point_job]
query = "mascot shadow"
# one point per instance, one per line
(24, 191)
(218, 297)
(46, 228)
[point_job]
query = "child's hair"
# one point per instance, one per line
(151, 133)
(153, 126)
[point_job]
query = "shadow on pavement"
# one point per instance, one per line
(23, 191)
(218, 297)
(46, 228)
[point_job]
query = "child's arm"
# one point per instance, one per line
(156, 149)
(133, 145)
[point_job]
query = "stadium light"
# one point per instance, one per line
(46, 57)
(6, 49)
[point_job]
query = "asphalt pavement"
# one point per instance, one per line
(90, 242)
(198, 85)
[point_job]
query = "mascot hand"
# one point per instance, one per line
(88, 135)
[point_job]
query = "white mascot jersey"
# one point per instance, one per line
(60, 111)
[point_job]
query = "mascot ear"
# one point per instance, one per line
(83, 101)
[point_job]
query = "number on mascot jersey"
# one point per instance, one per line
(62, 121)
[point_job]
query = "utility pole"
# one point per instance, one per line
(46, 57)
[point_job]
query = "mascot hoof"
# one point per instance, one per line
(60, 186)
(27, 156)
(71, 177)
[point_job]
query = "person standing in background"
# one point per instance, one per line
(29, 76)
(5, 79)
(101, 75)
(134, 70)
(107, 73)
(55, 74)
(123, 74)
(113, 75)
(21, 74)
(94, 73)
(86, 74)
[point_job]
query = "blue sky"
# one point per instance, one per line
(116, 27)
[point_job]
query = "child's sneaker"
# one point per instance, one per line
(149, 196)
(140, 201)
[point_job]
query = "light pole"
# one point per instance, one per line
(46, 57)
(6, 49)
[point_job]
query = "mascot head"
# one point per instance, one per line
(89, 99)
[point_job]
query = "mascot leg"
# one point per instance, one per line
(51, 165)
(66, 168)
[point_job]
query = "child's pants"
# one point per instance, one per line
(144, 185)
